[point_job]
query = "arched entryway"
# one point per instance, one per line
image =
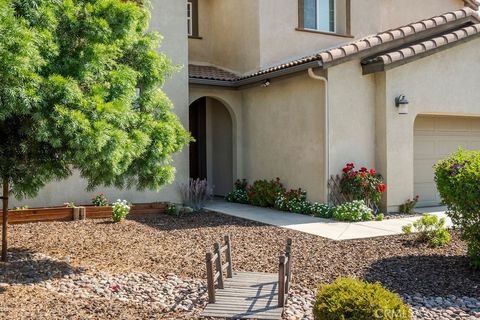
(211, 155)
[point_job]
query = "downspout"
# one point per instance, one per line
(326, 155)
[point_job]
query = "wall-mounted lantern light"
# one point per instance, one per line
(401, 103)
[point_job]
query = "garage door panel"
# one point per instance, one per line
(424, 147)
(427, 193)
(475, 125)
(424, 171)
(425, 123)
(447, 146)
(436, 138)
(451, 124)
(474, 145)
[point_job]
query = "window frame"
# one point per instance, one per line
(192, 20)
(318, 17)
(346, 31)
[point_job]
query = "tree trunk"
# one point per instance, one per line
(5, 219)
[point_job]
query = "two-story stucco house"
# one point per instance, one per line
(297, 88)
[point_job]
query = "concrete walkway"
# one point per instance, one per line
(326, 228)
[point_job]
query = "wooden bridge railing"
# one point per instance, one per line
(215, 267)
(284, 274)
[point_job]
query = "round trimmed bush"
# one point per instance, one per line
(458, 181)
(353, 299)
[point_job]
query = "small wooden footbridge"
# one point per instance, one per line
(245, 295)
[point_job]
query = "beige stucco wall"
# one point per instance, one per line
(230, 35)
(279, 39)
(168, 17)
(351, 117)
(283, 133)
(396, 13)
(445, 83)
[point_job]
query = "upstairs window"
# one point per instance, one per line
(319, 15)
(189, 18)
(192, 18)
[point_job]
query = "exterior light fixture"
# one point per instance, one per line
(401, 103)
(266, 83)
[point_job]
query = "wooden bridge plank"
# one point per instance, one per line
(248, 295)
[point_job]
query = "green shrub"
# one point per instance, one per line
(120, 210)
(100, 200)
(238, 196)
(171, 209)
(294, 200)
(263, 193)
(380, 217)
(353, 211)
(353, 299)
(430, 229)
(321, 210)
(409, 205)
(239, 193)
(458, 181)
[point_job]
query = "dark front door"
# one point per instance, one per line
(198, 148)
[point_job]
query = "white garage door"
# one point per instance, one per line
(436, 138)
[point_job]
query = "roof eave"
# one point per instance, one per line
(261, 77)
(403, 41)
(380, 66)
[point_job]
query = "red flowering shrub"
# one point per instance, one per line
(263, 193)
(362, 184)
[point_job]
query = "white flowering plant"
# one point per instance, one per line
(353, 211)
(120, 210)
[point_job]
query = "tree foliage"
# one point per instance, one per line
(81, 88)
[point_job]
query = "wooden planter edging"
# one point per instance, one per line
(77, 213)
(92, 212)
(138, 208)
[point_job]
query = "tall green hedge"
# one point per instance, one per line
(458, 182)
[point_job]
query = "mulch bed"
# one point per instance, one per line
(161, 244)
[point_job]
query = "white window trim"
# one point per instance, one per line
(189, 18)
(318, 13)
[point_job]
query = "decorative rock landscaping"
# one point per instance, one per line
(168, 293)
(140, 268)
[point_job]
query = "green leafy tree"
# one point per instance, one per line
(81, 89)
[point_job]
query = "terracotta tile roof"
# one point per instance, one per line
(210, 73)
(382, 38)
(388, 41)
(426, 46)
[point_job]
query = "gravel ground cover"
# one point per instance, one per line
(153, 267)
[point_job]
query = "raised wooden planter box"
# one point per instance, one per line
(148, 208)
(70, 214)
(93, 212)
(39, 215)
